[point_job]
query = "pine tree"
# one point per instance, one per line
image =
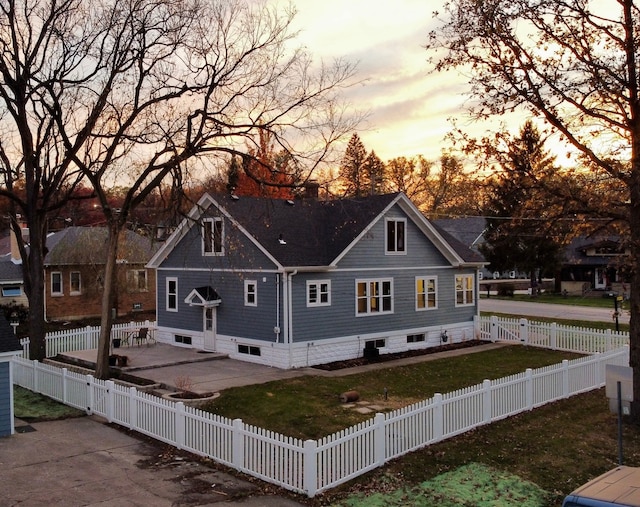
(374, 174)
(352, 168)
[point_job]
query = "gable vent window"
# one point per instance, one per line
(395, 238)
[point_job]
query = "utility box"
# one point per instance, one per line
(624, 375)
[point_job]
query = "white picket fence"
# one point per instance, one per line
(83, 338)
(550, 335)
(312, 466)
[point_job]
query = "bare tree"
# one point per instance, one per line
(574, 65)
(139, 92)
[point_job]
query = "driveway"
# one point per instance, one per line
(84, 462)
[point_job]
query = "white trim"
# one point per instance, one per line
(167, 307)
(464, 290)
(318, 284)
(426, 279)
(213, 221)
(247, 284)
(367, 297)
(387, 220)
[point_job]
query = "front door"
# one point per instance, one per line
(209, 329)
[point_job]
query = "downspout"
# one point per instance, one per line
(289, 321)
(278, 329)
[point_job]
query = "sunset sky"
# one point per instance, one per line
(409, 108)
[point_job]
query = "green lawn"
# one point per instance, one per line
(34, 407)
(558, 299)
(309, 407)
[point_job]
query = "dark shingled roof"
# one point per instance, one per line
(8, 340)
(85, 245)
(305, 232)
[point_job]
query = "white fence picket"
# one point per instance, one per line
(310, 467)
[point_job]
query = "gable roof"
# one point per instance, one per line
(86, 245)
(310, 232)
(8, 340)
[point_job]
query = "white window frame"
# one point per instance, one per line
(368, 297)
(58, 275)
(391, 248)
(426, 293)
(211, 247)
(169, 294)
(250, 294)
(11, 291)
(465, 288)
(315, 287)
(79, 289)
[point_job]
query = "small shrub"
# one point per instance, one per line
(506, 290)
(184, 382)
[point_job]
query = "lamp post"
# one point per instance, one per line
(15, 322)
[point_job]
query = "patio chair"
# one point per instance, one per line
(140, 336)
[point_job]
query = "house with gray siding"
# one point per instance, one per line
(9, 347)
(299, 283)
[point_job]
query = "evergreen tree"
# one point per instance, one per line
(352, 168)
(374, 174)
(520, 232)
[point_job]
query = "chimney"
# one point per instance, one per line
(15, 252)
(311, 188)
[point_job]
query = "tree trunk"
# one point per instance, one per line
(34, 284)
(108, 298)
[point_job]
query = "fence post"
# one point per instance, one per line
(438, 418)
(90, 396)
(608, 340)
(553, 336)
(133, 408)
(529, 388)
(524, 331)
(64, 385)
(487, 408)
(110, 385)
(36, 388)
(310, 479)
(237, 445)
(180, 425)
(379, 440)
(494, 328)
(565, 378)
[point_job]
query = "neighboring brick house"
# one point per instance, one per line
(74, 271)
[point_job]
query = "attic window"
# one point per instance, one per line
(212, 236)
(395, 236)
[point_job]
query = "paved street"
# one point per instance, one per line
(532, 309)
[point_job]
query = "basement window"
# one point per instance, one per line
(185, 340)
(249, 349)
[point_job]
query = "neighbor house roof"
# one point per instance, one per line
(575, 253)
(311, 232)
(468, 230)
(87, 245)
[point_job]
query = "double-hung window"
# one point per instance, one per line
(212, 236)
(465, 289)
(426, 293)
(318, 292)
(374, 297)
(56, 284)
(250, 293)
(172, 294)
(395, 236)
(75, 283)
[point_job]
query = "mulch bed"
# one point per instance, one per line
(360, 361)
